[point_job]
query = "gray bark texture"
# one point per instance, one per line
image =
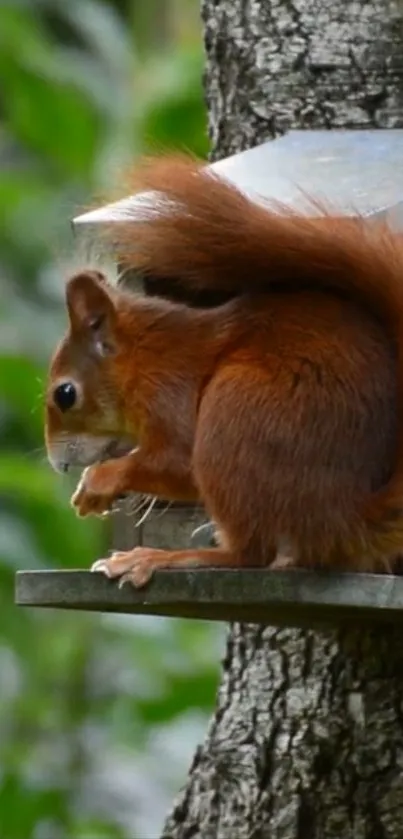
(307, 738)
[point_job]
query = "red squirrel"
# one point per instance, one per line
(279, 408)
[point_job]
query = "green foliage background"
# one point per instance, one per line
(99, 715)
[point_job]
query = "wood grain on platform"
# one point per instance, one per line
(292, 598)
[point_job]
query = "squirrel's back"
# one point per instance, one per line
(303, 411)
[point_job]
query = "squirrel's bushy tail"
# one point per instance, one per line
(197, 228)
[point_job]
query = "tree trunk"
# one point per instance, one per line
(307, 738)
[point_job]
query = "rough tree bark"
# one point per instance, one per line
(307, 738)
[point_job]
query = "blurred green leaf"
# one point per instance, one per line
(22, 388)
(93, 709)
(53, 121)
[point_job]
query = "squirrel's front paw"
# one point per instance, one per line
(100, 485)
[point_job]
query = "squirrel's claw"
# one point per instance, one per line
(101, 566)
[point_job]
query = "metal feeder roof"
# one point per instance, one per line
(356, 171)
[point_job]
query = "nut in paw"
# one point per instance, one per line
(135, 567)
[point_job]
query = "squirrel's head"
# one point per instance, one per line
(83, 422)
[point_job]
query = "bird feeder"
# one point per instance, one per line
(355, 172)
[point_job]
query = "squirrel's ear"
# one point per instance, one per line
(90, 306)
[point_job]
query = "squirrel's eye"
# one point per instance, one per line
(65, 396)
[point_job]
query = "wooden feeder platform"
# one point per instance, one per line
(277, 598)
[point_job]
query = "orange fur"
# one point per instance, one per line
(281, 409)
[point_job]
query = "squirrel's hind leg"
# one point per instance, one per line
(137, 566)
